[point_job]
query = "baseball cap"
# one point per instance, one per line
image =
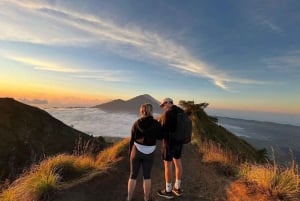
(166, 100)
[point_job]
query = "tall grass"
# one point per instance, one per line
(280, 181)
(213, 152)
(112, 154)
(31, 186)
(42, 178)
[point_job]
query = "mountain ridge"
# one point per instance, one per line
(29, 134)
(131, 106)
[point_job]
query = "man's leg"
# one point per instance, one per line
(178, 174)
(168, 171)
(168, 175)
(167, 191)
(178, 168)
(167, 157)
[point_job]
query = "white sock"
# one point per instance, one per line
(177, 184)
(168, 187)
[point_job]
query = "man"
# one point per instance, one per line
(171, 150)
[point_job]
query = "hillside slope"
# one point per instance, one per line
(206, 129)
(28, 134)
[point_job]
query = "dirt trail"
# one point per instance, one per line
(199, 182)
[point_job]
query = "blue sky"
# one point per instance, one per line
(237, 55)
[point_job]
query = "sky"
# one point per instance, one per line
(235, 55)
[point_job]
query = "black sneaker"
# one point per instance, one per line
(150, 199)
(177, 192)
(163, 193)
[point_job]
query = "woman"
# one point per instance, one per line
(144, 133)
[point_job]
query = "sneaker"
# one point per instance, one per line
(163, 193)
(150, 199)
(177, 192)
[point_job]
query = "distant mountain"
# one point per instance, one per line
(131, 105)
(28, 134)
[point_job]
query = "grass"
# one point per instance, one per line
(31, 186)
(213, 152)
(282, 182)
(46, 176)
(112, 154)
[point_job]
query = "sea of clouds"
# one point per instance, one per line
(94, 121)
(97, 122)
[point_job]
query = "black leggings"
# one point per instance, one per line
(137, 159)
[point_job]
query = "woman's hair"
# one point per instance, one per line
(162, 118)
(146, 109)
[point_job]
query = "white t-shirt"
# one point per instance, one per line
(145, 149)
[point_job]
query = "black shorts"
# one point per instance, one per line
(172, 150)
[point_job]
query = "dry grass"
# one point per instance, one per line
(213, 152)
(42, 178)
(31, 186)
(239, 190)
(279, 181)
(112, 154)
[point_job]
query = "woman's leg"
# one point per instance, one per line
(147, 167)
(147, 189)
(134, 169)
(131, 187)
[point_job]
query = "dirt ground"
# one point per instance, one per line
(199, 183)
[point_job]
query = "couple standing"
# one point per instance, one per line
(144, 133)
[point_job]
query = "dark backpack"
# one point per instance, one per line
(183, 132)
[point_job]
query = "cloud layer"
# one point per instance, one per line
(95, 121)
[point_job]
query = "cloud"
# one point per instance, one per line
(34, 101)
(77, 72)
(266, 19)
(271, 25)
(84, 120)
(43, 65)
(288, 62)
(104, 75)
(69, 27)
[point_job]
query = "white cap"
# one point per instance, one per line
(166, 100)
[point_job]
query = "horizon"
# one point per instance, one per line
(279, 118)
(240, 57)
